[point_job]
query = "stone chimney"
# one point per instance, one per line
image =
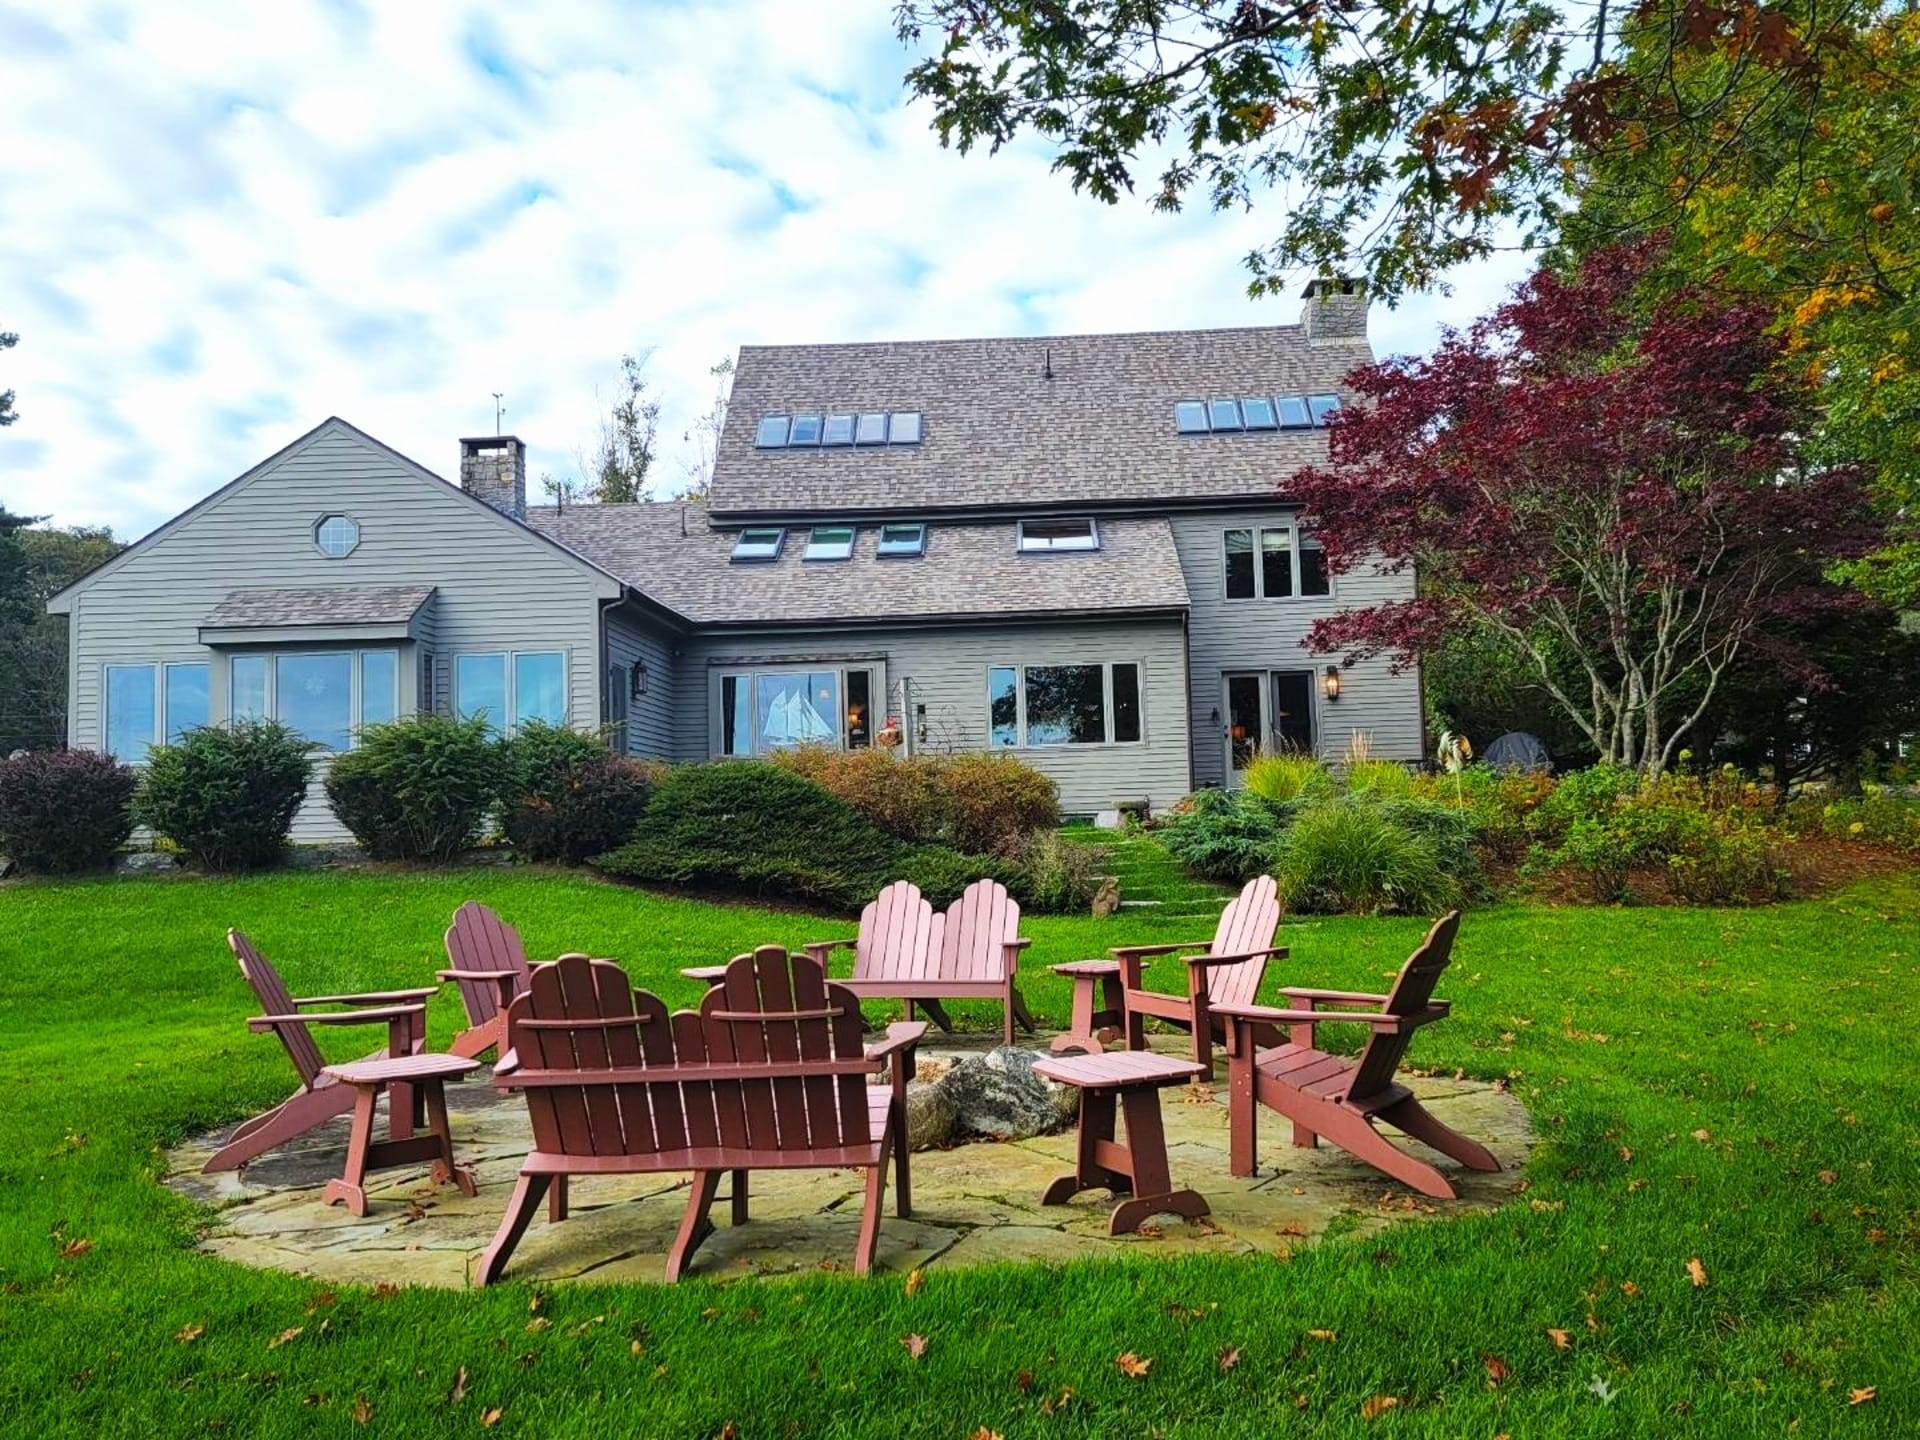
(1335, 312)
(493, 468)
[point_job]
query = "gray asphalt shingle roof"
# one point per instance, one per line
(997, 431)
(969, 569)
(322, 605)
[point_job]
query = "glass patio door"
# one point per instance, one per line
(1246, 726)
(1290, 717)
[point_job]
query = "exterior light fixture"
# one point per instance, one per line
(639, 687)
(1330, 683)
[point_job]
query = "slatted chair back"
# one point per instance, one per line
(771, 1062)
(478, 941)
(1412, 990)
(898, 931)
(271, 991)
(1247, 924)
(975, 931)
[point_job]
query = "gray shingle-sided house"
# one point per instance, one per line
(1073, 548)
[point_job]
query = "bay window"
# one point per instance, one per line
(776, 709)
(324, 696)
(1046, 705)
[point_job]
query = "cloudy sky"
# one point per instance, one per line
(222, 222)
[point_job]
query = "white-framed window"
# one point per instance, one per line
(777, 707)
(511, 687)
(1273, 562)
(327, 696)
(336, 536)
(1043, 536)
(1037, 706)
(151, 703)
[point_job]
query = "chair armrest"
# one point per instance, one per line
(1383, 1024)
(1019, 942)
(372, 997)
(1331, 997)
(1203, 960)
(506, 1065)
(445, 975)
(707, 974)
(820, 949)
(369, 1016)
(1149, 952)
(901, 1035)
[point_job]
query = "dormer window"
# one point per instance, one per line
(901, 541)
(758, 542)
(830, 542)
(1046, 536)
(337, 536)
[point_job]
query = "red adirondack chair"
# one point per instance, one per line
(489, 964)
(906, 951)
(1225, 970)
(320, 1097)
(1339, 1097)
(769, 1074)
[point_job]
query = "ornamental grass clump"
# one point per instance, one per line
(1287, 776)
(1354, 858)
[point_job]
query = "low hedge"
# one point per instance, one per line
(226, 796)
(968, 802)
(63, 811)
(565, 796)
(422, 788)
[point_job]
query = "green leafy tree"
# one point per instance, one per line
(34, 564)
(618, 470)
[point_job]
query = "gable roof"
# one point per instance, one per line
(998, 432)
(59, 602)
(969, 570)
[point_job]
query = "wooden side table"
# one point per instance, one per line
(1099, 1006)
(425, 1076)
(1130, 1080)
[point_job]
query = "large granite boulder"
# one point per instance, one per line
(999, 1097)
(929, 1115)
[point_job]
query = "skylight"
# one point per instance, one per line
(806, 430)
(1254, 412)
(773, 432)
(903, 427)
(1189, 417)
(902, 540)
(1224, 414)
(866, 427)
(839, 430)
(759, 543)
(830, 542)
(871, 429)
(1258, 413)
(1323, 407)
(1051, 535)
(1293, 412)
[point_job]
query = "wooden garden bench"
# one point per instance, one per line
(908, 951)
(320, 1097)
(487, 961)
(769, 1074)
(1344, 1098)
(1225, 970)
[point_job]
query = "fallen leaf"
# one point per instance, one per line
(1876, 1237)
(1703, 1136)
(74, 1249)
(914, 1345)
(1865, 1395)
(1328, 1335)
(1229, 1358)
(459, 1387)
(187, 1334)
(1697, 1272)
(1626, 1152)
(729, 1431)
(1132, 1366)
(491, 1418)
(320, 1300)
(286, 1336)
(1293, 1227)
(1378, 1406)
(1060, 1402)
(1561, 1339)
(362, 1410)
(1629, 1289)
(1023, 1382)
(1827, 1177)
(915, 1280)
(983, 1433)
(385, 1291)
(539, 1323)
(1497, 1369)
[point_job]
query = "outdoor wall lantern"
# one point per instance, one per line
(639, 679)
(1331, 683)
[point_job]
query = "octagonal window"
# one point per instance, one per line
(336, 535)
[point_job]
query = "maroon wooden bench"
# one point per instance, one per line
(487, 961)
(320, 1097)
(769, 1074)
(908, 951)
(1225, 970)
(1345, 1098)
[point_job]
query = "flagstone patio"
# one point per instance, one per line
(974, 1204)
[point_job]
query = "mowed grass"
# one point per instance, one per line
(1738, 1088)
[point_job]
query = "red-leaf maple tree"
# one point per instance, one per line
(1611, 482)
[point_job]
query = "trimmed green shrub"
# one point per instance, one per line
(565, 796)
(63, 811)
(1286, 776)
(421, 788)
(226, 796)
(1583, 795)
(1354, 858)
(902, 794)
(943, 874)
(992, 802)
(1227, 835)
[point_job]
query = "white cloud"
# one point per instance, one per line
(221, 223)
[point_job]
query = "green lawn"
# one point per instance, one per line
(1738, 1087)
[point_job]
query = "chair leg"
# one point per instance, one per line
(694, 1224)
(1243, 1119)
(902, 1178)
(528, 1191)
(937, 1013)
(1412, 1118)
(738, 1197)
(1020, 1011)
(472, 1043)
(1352, 1133)
(293, 1116)
(557, 1200)
(869, 1242)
